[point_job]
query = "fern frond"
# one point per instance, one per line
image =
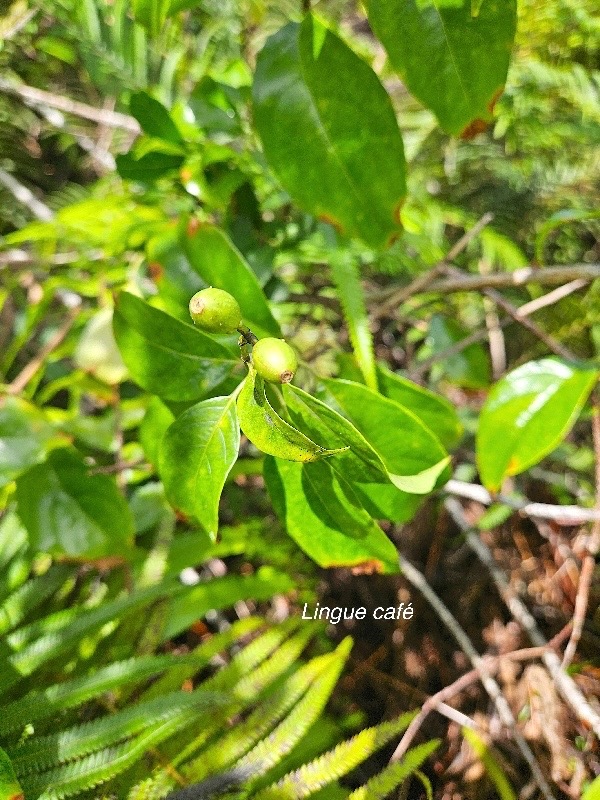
(103, 765)
(250, 686)
(43, 752)
(346, 275)
(274, 747)
(73, 626)
(233, 745)
(392, 776)
(336, 763)
(30, 596)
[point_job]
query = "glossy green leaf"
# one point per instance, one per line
(168, 357)
(24, 437)
(454, 61)
(361, 462)
(325, 518)
(433, 410)
(196, 454)
(154, 118)
(67, 510)
(329, 131)
(469, 368)
(411, 453)
(386, 501)
(9, 785)
(220, 593)
(266, 430)
(220, 264)
(527, 414)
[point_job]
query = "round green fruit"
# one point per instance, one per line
(215, 311)
(274, 360)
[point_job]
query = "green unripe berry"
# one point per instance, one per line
(215, 311)
(274, 360)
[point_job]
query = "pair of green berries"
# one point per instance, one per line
(216, 311)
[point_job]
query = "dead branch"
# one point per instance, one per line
(419, 582)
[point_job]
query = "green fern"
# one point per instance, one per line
(346, 276)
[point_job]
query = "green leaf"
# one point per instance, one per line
(361, 463)
(168, 357)
(154, 426)
(329, 131)
(97, 351)
(492, 767)
(223, 593)
(411, 453)
(325, 518)
(527, 414)
(196, 455)
(346, 275)
(151, 14)
(9, 785)
(433, 410)
(266, 430)
(469, 368)
(24, 437)
(67, 510)
(453, 61)
(593, 790)
(153, 117)
(220, 264)
(149, 166)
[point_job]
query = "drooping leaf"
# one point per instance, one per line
(329, 131)
(455, 62)
(220, 264)
(432, 409)
(67, 510)
(149, 160)
(166, 356)
(324, 516)
(24, 437)
(361, 462)
(527, 414)
(411, 453)
(266, 430)
(196, 454)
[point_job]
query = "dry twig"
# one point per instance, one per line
(564, 515)
(589, 559)
(418, 580)
(564, 682)
(36, 363)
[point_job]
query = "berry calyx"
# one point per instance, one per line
(215, 311)
(274, 360)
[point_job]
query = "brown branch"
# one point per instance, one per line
(434, 702)
(421, 283)
(589, 559)
(563, 515)
(523, 311)
(29, 370)
(39, 97)
(544, 276)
